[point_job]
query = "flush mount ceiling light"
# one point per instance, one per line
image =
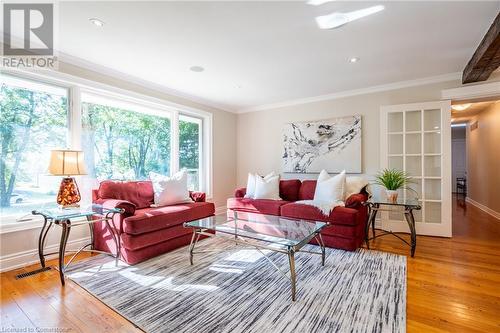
(353, 60)
(196, 69)
(461, 107)
(337, 19)
(96, 22)
(318, 2)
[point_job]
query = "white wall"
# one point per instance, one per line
(260, 133)
(483, 154)
(20, 247)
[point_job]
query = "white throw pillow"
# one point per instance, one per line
(353, 185)
(250, 192)
(267, 188)
(170, 190)
(330, 189)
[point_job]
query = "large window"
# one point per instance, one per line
(33, 120)
(124, 144)
(125, 136)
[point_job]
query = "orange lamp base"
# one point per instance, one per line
(68, 195)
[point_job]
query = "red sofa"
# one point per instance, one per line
(145, 232)
(346, 229)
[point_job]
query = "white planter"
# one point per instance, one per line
(392, 196)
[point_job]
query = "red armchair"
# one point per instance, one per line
(145, 232)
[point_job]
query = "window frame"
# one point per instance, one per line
(77, 86)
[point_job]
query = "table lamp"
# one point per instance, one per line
(67, 163)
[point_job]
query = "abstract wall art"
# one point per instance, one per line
(333, 145)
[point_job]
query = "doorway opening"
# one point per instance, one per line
(475, 143)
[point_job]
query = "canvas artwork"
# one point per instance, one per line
(333, 145)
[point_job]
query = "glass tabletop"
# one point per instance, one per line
(400, 201)
(268, 228)
(75, 212)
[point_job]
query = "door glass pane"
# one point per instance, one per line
(395, 122)
(432, 120)
(414, 165)
(433, 189)
(396, 214)
(395, 143)
(432, 212)
(414, 189)
(413, 143)
(396, 162)
(413, 121)
(189, 149)
(417, 214)
(432, 143)
(432, 166)
(33, 121)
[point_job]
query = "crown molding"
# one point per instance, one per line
(75, 61)
(355, 92)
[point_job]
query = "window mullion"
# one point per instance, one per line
(75, 118)
(174, 147)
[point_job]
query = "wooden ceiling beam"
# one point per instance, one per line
(486, 59)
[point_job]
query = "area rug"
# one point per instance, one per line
(236, 289)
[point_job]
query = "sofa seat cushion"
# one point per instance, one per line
(135, 242)
(151, 219)
(339, 215)
(262, 206)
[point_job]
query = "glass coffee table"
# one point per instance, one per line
(262, 232)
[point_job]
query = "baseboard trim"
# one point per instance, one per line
(21, 259)
(483, 208)
(220, 210)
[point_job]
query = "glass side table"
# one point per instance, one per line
(375, 202)
(73, 217)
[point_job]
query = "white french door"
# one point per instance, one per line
(416, 138)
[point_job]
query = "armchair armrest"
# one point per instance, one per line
(127, 206)
(240, 192)
(197, 196)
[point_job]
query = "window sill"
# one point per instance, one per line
(8, 226)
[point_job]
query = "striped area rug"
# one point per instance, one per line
(237, 290)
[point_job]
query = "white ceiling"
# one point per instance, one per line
(258, 53)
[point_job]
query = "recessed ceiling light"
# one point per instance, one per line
(96, 22)
(461, 107)
(196, 69)
(337, 19)
(353, 60)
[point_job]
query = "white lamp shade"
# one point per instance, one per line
(67, 163)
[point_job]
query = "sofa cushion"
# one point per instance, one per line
(262, 206)
(151, 219)
(289, 189)
(135, 242)
(307, 190)
(140, 193)
(339, 215)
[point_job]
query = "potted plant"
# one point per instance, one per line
(393, 180)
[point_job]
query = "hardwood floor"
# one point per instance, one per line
(453, 286)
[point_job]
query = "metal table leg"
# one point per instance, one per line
(372, 215)
(410, 219)
(194, 240)
(41, 240)
(66, 227)
(291, 259)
